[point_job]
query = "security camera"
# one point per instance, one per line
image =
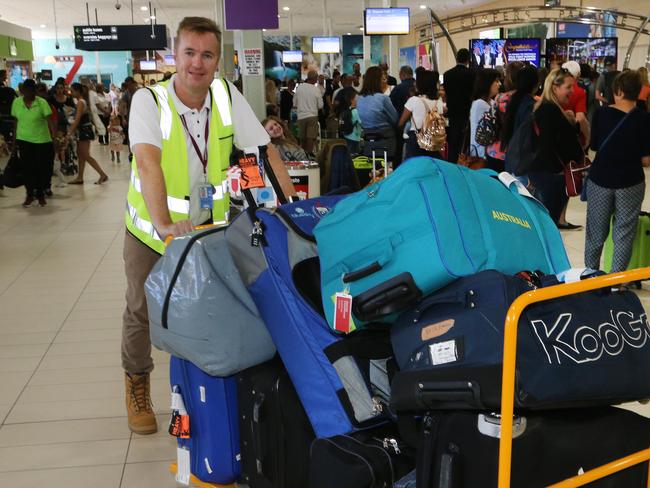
(118, 5)
(57, 45)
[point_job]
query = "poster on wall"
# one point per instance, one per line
(275, 67)
(18, 71)
(424, 56)
(377, 55)
(408, 57)
(574, 29)
(352, 52)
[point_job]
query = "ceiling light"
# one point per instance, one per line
(263, 30)
(423, 6)
(349, 34)
(360, 28)
(286, 9)
(43, 26)
(144, 8)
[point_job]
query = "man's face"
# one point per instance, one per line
(197, 58)
(356, 67)
(477, 50)
(486, 50)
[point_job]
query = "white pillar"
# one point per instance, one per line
(253, 85)
(366, 42)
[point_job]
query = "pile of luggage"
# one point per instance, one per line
(357, 341)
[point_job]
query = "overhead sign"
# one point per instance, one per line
(120, 37)
(251, 14)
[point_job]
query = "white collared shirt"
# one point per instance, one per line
(144, 128)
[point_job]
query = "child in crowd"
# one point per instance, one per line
(116, 137)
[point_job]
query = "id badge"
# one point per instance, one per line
(205, 196)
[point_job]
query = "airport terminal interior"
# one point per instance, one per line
(63, 421)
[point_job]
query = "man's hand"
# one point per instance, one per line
(175, 229)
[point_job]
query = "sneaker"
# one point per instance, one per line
(28, 202)
(41, 201)
(141, 418)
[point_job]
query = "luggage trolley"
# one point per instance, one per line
(508, 378)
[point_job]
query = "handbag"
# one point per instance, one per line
(575, 175)
(465, 157)
(13, 176)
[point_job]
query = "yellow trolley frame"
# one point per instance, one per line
(508, 378)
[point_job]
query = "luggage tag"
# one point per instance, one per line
(179, 426)
(234, 182)
(206, 190)
(183, 472)
(251, 174)
(343, 321)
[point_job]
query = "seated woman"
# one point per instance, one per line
(376, 113)
(283, 140)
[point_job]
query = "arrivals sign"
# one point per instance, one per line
(120, 37)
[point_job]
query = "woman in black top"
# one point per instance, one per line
(558, 144)
(621, 136)
(65, 107)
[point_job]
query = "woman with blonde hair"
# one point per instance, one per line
(283, 140)
(559, 144)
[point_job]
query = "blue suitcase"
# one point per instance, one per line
(211, 403)
(588, 349)
(424, 226)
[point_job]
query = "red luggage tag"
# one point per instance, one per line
(343, 312)
(251, 176)
(180, 426)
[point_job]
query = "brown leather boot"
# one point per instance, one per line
(138, 404)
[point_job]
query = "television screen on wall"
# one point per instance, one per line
(591, 51)
(386, 21)
(148, 65)
(292, 56)
(325, 45)
(495, 53)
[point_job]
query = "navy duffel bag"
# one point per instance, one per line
(588, 349)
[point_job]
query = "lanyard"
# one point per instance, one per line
(203, 156)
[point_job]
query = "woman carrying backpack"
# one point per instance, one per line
(420, 112)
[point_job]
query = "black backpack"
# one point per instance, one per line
(523, 147)
(346, 127)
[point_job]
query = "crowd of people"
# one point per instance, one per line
(49, 128)
(572, 108)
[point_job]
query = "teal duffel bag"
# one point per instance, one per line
(421, 228)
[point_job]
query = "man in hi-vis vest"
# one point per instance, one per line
(181, 133)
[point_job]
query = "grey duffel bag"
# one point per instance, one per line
(200, 310)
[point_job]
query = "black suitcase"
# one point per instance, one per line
(373, 458)
(275, 432)
(460, 449)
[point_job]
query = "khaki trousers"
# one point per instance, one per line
(139, 259)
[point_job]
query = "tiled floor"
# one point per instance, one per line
(61, 299)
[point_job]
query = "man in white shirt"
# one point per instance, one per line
(308, 101)
(181, 133)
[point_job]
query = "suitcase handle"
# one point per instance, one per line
(387, 298)
(431, 393)
(449, 299)
(362, 273)
(385, 256)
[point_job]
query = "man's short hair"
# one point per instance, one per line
(201, 25)
(406, 70)
(312, 74)
(629, 84)
(463, 56)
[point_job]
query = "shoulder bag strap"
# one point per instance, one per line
(620, 123)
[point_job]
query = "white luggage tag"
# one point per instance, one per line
(183, 472)
(508, 180)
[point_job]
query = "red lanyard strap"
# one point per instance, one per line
(203, 156)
